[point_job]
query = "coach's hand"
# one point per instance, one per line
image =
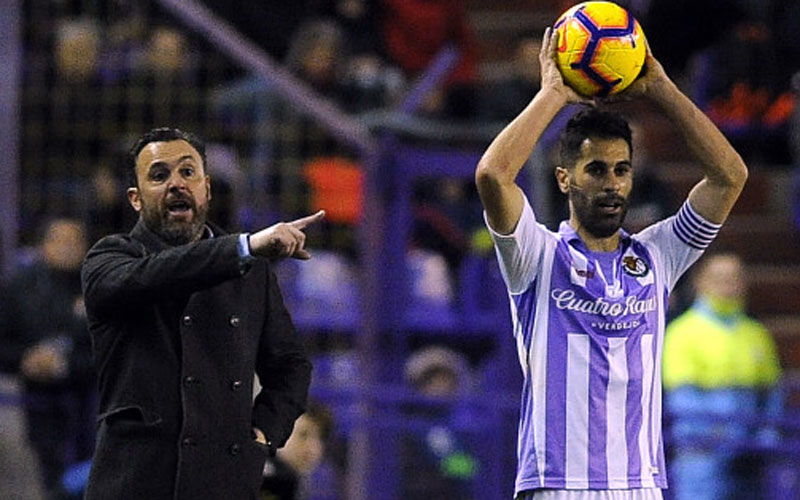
(284, 239)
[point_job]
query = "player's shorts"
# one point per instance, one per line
(635, 494)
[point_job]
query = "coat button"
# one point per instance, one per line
(188, 442)
(187, 320)
(236, 385)
(188, 381)
(234, 449)
(234, 321)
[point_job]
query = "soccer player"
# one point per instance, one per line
(588, 302)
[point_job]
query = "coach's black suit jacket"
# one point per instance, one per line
(177, 334)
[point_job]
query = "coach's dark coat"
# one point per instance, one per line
(177, 333)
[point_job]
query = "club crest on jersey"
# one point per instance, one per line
(635, 266)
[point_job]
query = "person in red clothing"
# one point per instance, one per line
(415, 31)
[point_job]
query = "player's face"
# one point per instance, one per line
(173, 191)
(599, 185)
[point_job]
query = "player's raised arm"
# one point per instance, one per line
(724, 170)
(502, 161)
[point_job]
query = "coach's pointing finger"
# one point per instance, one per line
(304, 222)
(284, 239)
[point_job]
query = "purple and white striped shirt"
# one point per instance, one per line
(589, 328)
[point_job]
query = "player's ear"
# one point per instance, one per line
(562, 177)
(134, 198)
(208, 187)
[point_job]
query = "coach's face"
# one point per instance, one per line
(173, 191)
(599, 185)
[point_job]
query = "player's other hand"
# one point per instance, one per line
(551, 76)
(284, 239)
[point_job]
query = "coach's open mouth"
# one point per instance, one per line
(179, 207)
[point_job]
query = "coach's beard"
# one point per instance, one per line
(173, 230)
(601, 216)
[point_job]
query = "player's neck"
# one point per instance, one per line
(592, 242)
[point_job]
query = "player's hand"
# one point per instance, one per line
(650, 82)
(284, 239)
(551, 76)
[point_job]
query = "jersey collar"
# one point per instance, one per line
(568, 233)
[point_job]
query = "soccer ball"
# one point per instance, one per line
(601, 48)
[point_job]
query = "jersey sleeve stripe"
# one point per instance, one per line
(699, 220)
(684, 230)
(692, 229)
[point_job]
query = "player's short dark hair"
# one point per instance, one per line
(162, 134)
(591, 122)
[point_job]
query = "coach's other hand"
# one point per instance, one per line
(284, 239)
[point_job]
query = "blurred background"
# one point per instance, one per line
(378, 111)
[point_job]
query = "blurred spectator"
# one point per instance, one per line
(720, 372)
(167, 80)
(446, 213)
(369, 81)
(61, 109)
(503, 99)
(294, 474)
(436, 461)
(359, 20)
(45, 341)
(280, 137)
(414, 32)
(108, 212)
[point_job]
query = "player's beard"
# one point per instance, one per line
(173, 231)
(590, 215)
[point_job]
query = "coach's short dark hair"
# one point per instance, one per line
(162, 134)
(591, 122)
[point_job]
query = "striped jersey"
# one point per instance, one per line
(589, 328)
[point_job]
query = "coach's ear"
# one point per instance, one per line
(134, 198)
(562, 177)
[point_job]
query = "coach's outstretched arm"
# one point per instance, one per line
(725, 171)
(502, 161)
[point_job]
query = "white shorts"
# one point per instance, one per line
(635, 494)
